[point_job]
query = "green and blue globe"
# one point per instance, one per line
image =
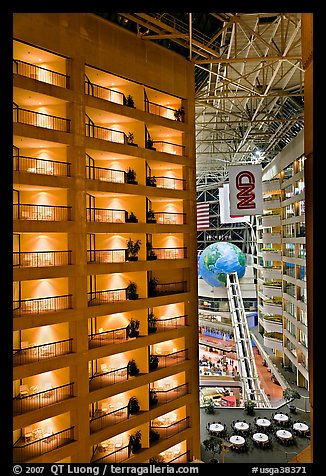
(220, 259)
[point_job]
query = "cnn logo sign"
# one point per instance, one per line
(245, 190)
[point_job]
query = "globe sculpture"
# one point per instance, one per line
(220, 259)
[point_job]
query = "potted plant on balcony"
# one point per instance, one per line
(153, 435)
(153, 400)
(150, 252)
(133, 406)
(152, 319)
(150, 216)
(132, 368)
(131, 176)
(153, 362)
(129, 101)
(133, 248)
(149, 144)
(152, 285)
(151, 181)
(179, 114)
(131, 291)
(130, 139)
(132, 218)
(133, 328)
(135, 441)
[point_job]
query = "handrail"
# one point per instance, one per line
(110, 418)
(37, 400)
(36, 165)
(47, 75)
(40, 352)
(40, 305)
(107, 295)
(29, 211)
(107, 256)
(105, 174)
(101, 92)
(24, 259)
(40, 119)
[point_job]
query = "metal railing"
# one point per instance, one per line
(103, 93)
(165, 396)
(105, 133)
(41, 74)
(40, 352)
(117, 456)
(170, 253)
(39, 119)
(169, 147)
(173, 429)
(183, 458)
(103, 379)
(38, 259)
(35, 165)
(27, 211)
(107, 419)
(171, 322)
(107, 337)
(170, 183)
(159, 110)
(105, 175)
(107, 215)
(170, 218)
(39, 447)
(106, 256)
(35, 401)
(174, 358)
(40, 305)
(108, 295)
(171, 288)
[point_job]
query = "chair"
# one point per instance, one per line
(23, 390)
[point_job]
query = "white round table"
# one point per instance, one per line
(216, 427)
(260, 437)
(263, 422)
(284, 434)
(237, 440)
(281, 418)
(241, 425)
(300, 427)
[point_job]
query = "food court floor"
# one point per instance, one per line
(278, 453)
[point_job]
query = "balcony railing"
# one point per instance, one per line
(171, 323)
(107, 215)
(165, 396)
(173, 429)
(169, 288)
(41, 74)
(40, 305)
(105, 133)
(114, 336)
(169, 147)
(24, 452)
(106, 256)
(34, 165)
(101, 419)
(174, 358)
(117, 456)
(159, 110)
(109, 295)
(38, 259)
(105, 175)
(103, 379)
(170, 253)
(37, 400)
(39, 119)
(26, 211)
(182, 458)
(40, 352)
(103, 93)
(170, 183)
(169, 218)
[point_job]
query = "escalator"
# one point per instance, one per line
(251, 389)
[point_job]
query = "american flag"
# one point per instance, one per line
(202, 216)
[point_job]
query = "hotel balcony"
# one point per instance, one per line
(169, 359)
(104, 418)
(163, 289)
(169, 147)
(106, 215)
(112, 455)
(272, 307)
(107, 337)
(272, 323)
(40, 119)
(270, 186)
(36, 397)
(273, 340)
(166, 430)
(107, 256)
(271, 220)
(107, 377)
(166, 218)
(38, 259)
(175, 456)
(170, 183)
(37, 443)
(272, 290)
(33, 165)
(272, 203)
(42, 305)
(271, 238)
(105, 296)
(36, 353)
(159, 395)
(27, 211)
(166, 253)
(271, 272)
(167, 323)
(271, 255)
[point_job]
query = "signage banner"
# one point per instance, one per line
(225, 207)
(245, 189)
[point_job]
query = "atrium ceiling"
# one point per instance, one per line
(248, 80)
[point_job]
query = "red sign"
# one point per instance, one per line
(245, 190)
